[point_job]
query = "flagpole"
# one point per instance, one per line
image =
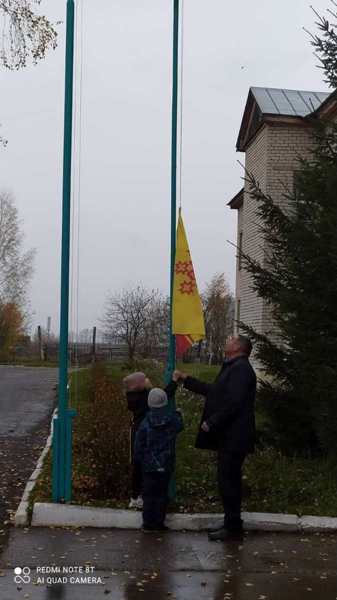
(172, 345)
(62, 424)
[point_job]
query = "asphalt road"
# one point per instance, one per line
(128, 565)
(27, 398)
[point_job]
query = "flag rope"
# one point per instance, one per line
(80, 44)
(181, 103)
(77, 185)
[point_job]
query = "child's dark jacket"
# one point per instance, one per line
(156, 437)
(155, 440)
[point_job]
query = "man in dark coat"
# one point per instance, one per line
(228, 426)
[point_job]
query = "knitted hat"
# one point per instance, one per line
(157, 398)
(135, 381)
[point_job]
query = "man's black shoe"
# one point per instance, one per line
(224, 535)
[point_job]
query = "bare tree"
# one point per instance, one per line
(154, 336)
(16, 265)
(11, 328)
(219, 316)
(126, 316)
(26, 35)
(3, 141)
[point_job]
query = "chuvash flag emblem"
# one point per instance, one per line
(187, 319)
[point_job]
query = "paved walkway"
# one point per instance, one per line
(181, 566)
(27, 397)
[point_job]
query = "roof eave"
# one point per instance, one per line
(327, 109)
(246, 116)
(271, 119)
(236, 202)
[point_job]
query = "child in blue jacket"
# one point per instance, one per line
(155, 450)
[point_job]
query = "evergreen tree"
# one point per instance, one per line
(298, 280)
(325, 45)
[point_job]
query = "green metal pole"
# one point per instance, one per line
(172, 341)
(172, 345)
(61, 438)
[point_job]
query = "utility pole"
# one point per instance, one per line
(46, 346)
(48, 327)
(39, 337)
(172, 342)
(62, 436)
(93, 352)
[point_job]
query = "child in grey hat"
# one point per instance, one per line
(155, 451)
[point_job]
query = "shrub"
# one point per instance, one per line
(101, 441)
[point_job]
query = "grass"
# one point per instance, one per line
(272, 482)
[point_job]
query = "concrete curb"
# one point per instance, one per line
(67, 515)
(319, 524)
(21, 515)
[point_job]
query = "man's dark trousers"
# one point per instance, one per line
(230, 487)
(155, 498)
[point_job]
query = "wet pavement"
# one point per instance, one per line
(86, 564)
(27, 398)
(126, 565)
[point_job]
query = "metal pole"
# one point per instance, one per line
(62, 439)
(172, 343)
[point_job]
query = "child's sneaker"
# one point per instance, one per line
(136, 503)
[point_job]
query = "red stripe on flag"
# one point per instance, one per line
(183, 343)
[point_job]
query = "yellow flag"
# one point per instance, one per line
(188, 317)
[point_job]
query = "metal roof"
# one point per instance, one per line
(273, 101)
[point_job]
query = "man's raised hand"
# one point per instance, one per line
(179, 376)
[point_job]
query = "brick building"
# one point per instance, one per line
(275, 130)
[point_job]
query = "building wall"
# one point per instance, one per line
(272, 158)
(237, 314)
(285, 145)
(251, 307)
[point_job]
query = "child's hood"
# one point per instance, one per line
(159, 417)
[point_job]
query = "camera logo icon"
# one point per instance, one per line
(22, 575)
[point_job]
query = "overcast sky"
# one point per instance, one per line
(126, 126)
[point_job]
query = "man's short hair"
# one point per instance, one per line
(245, 344)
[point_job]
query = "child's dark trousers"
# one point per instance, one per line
(155, 498)
(137, 471)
